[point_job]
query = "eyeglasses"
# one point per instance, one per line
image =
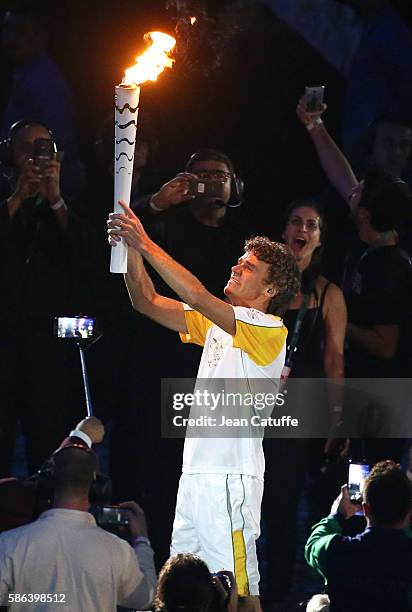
(213, 175)
(312, 225)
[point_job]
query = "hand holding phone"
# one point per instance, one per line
(343, 505)
(311, 106)
(356, 480)
(137, 521)
(314, 98)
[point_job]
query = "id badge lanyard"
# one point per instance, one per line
(291, 349)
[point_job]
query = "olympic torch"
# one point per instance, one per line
(147, 68)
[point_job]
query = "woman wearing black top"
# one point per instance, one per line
(316, 323)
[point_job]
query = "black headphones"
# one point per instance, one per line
(390, 118)
(236, 182)
(101, 486)
(6, 145)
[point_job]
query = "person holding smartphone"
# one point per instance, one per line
(370, 571)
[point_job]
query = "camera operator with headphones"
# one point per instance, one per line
(63, 556)
(22, 500)
(43, 274)
(192, 215)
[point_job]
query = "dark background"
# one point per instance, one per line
(246, 106)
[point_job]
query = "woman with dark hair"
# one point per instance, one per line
(318, 352)
(316, 323)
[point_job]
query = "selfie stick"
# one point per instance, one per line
(89, 406)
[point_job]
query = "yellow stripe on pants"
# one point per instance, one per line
(239, 551)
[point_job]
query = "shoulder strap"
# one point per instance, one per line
(298, 324)
(322, 297)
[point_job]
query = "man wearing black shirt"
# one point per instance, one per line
(378, 283)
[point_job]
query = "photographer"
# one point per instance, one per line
(22, 500)
(65, 556)
(372, 571)
(44, 255)
(194, 214)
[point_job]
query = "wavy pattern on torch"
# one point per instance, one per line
(122, 168)
(126, 140)
(126, 125)
(126, 106)
(130, 159)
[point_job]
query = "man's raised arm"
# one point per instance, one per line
(142, 293)
(334, 163)
(181, 281)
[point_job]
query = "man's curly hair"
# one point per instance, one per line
(283, 271)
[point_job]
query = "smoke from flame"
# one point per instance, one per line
(153, 61)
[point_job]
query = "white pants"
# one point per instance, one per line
(218, 518)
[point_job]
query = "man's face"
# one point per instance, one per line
(391, 148)
(248, 280)
(214, 171)
(23, 144)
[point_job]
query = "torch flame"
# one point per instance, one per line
(193, 20)
(153, 61)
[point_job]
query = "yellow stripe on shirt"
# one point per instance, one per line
(263, 344)
(197, 327)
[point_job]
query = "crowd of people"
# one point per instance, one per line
(324, 295)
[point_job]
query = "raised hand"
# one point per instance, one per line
(305, 116)
(173, 192)
(128, 227)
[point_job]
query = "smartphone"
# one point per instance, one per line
(314, 98)
(206, 189)
(44, 150)
(112, 516)
(75, 327)
(356, 480)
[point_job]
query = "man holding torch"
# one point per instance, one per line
(220, 490)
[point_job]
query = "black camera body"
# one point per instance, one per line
(44, 150)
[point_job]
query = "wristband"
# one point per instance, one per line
(141, 540)
(77, 433)
(59, 204)
(311, 126)
(154, 207)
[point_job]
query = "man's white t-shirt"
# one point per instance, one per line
(256, 351)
